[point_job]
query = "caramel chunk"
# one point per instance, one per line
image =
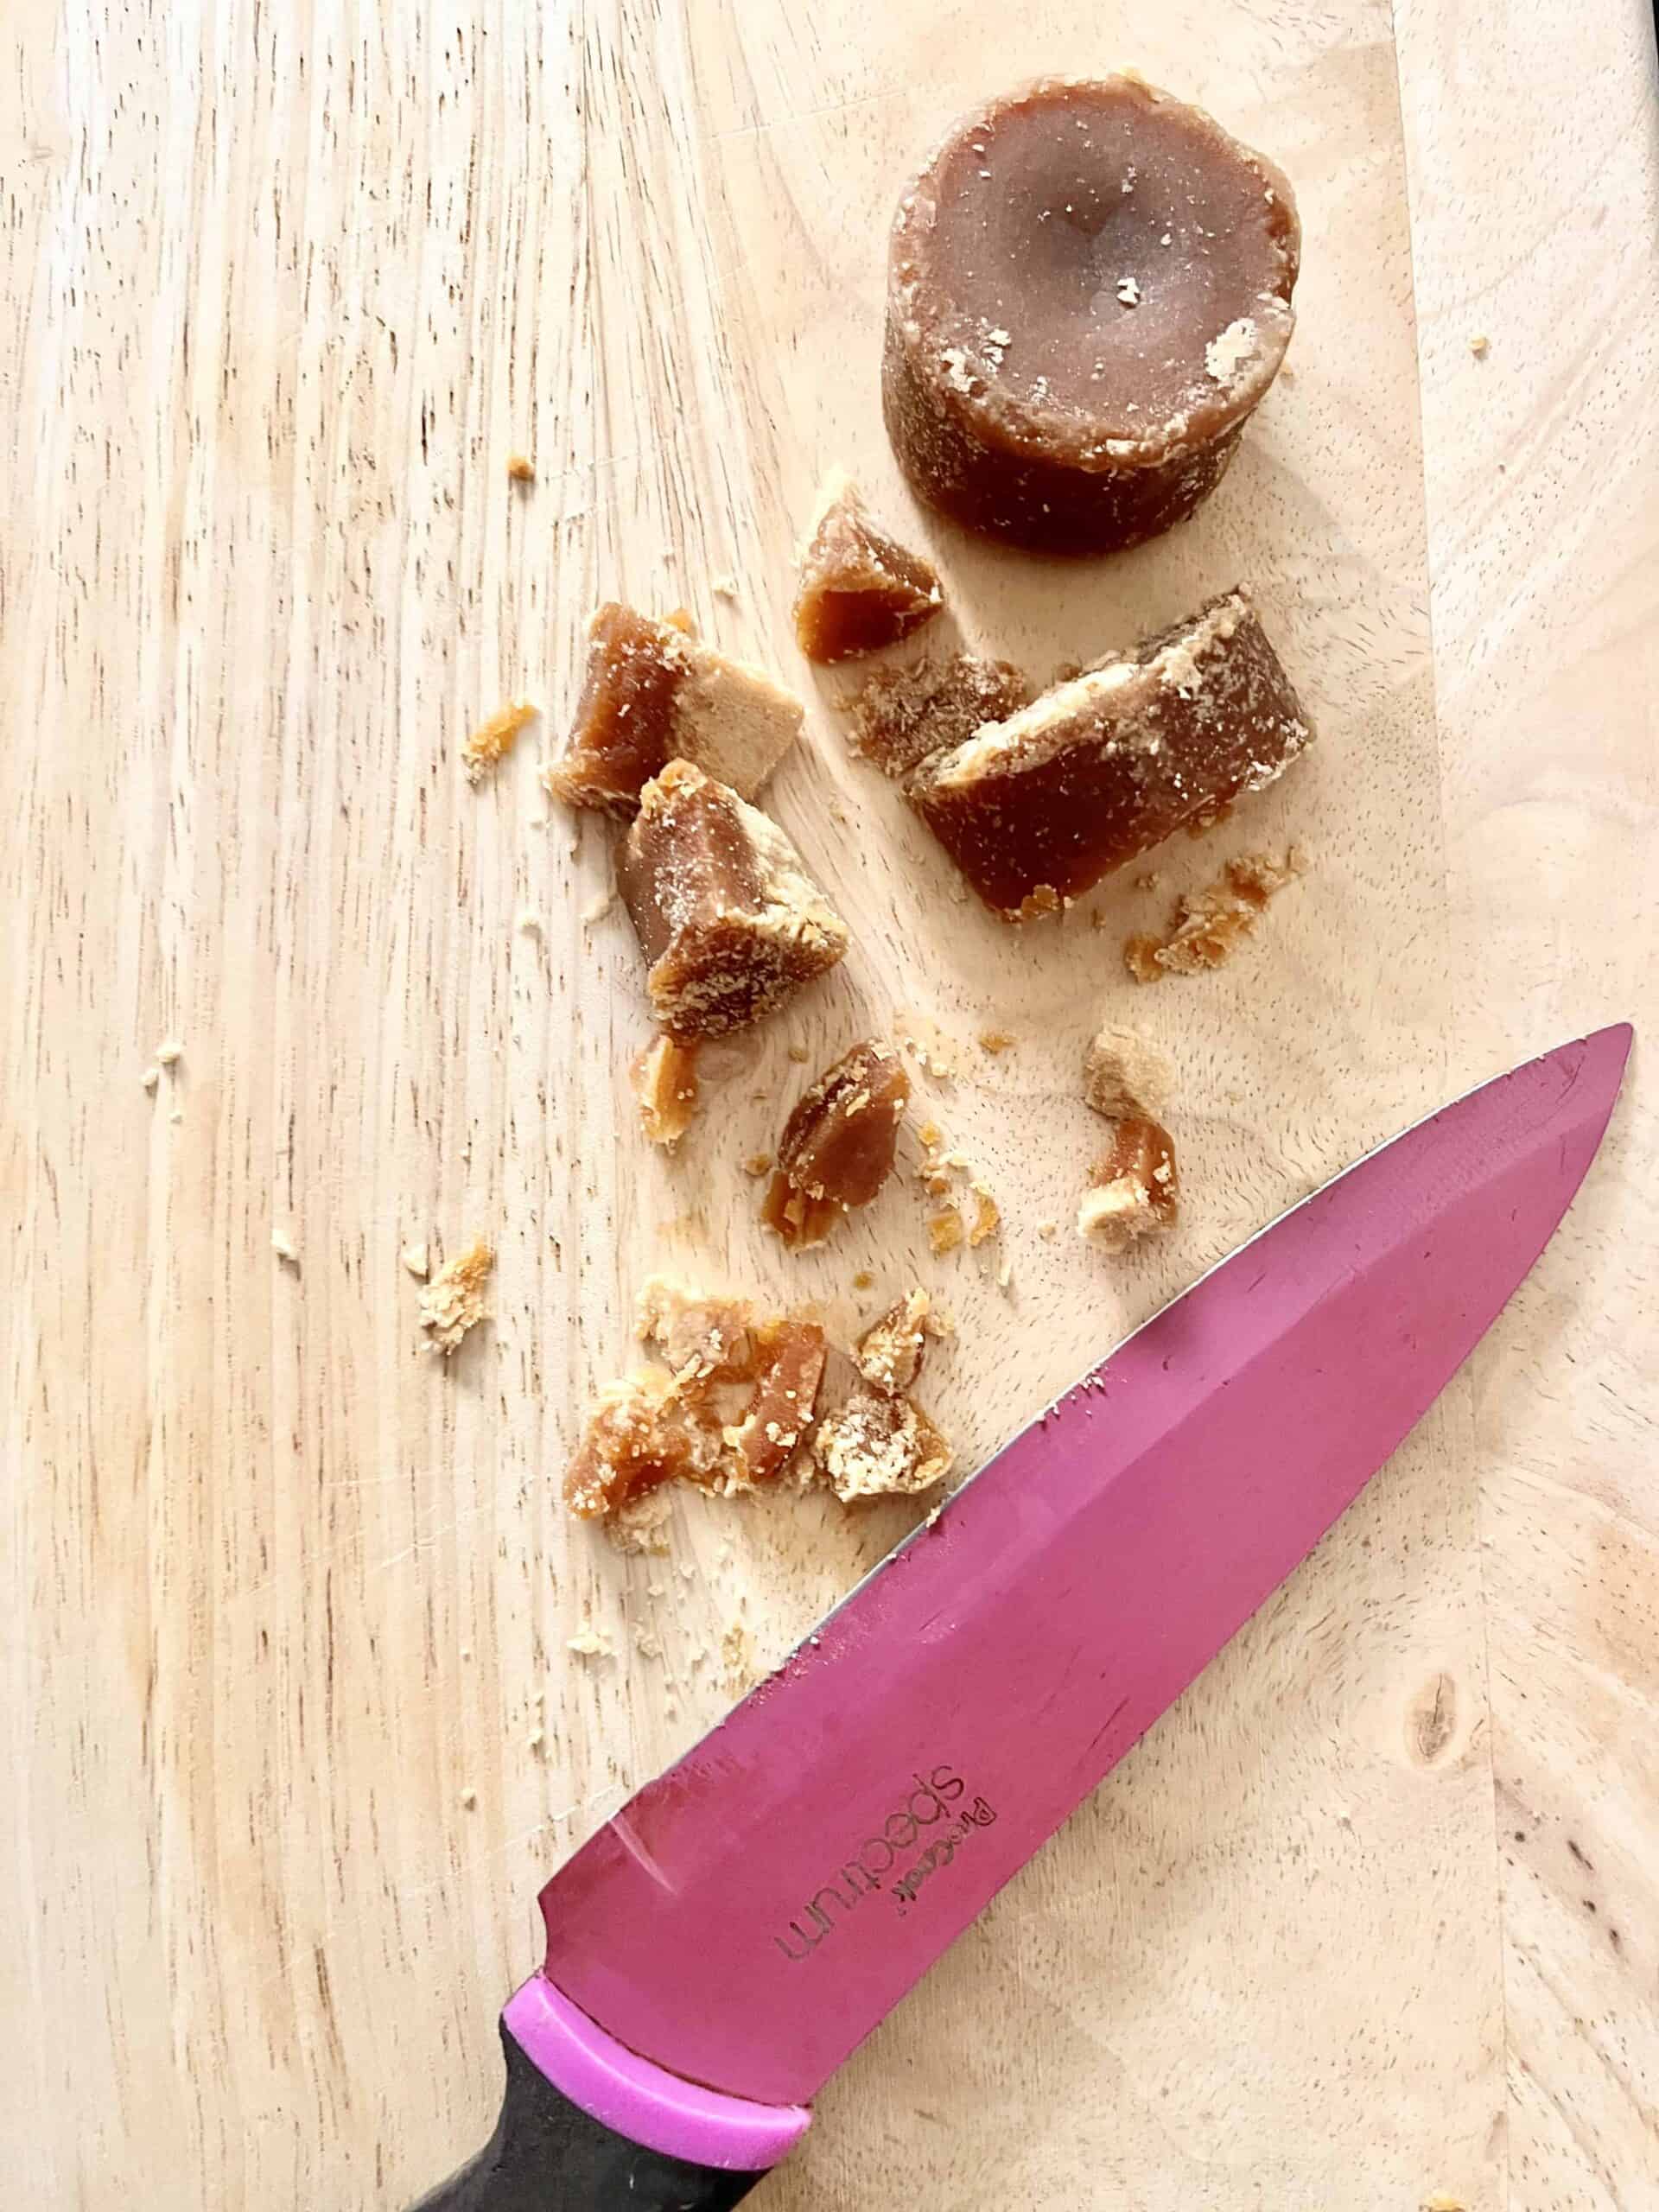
(702, 1339)
(492, 742)
(890, 1352)
(453, 1302)
(726, 1413)
(1121, 1075)
(1089, 293)
(655, 693)
(838, 1145)
(1035, 809)
(877, 1447)
(644, 1432)
(1209, 924)
(902, 715)
(860, 589)
(945, 1230)
(730, 924)
(1134, 1187)
(665, 1080)
(790, 1356)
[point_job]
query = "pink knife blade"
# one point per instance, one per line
(750, 1916)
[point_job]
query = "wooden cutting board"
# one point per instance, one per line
(297, 1725)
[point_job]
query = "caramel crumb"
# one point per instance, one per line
(1210, 923)
(799, 1054)
(944, 1229)
(663, 1079)
(1480, 345)
(996, 1040)
(452, 1301)
(1048, 1228)
(521, 469)
(414, 1257)
(987, 1215)
(492, 740)
(757, 1164)
(863, 1279)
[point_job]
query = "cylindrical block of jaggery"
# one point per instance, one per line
(1089, 292)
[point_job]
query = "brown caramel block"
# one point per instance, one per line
(664, 1080)
(1035, 809)
(790, 1356)
(877, 1447)
(655, 693)
(902, 715)
(890, 1352)
(1121, 1075)
(838, 1145)
(1089, 292)
(1210, 923)
(1134, 1187)
(860, 589)
(729, 921)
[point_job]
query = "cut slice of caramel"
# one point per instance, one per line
(860, 589)
(902, 715)
(1036, 810)
(1089, 293)
(730, 924)
(654, 692)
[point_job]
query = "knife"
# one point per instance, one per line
(719, 1947)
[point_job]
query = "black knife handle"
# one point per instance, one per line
(547, 2155)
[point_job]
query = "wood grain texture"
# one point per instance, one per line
(1370, 1915)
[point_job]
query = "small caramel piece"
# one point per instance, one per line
(644, 1432)
(654, 693)
(1209, 924)
(790, 1356)
(1133, 1188)
(729, 922)
(702, 1339)
(453, 1302)
(988, 1218)
(838, 1144)
(860, 589)
(492, 742)
(1089, 293)
(890, 1352)
(521, 469)
(1035, 809)
(665, 1080)
(1121, 1075)
(945, 1230)
(877, 1447)
(902, 715)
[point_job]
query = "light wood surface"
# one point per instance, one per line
(1370, 1920)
